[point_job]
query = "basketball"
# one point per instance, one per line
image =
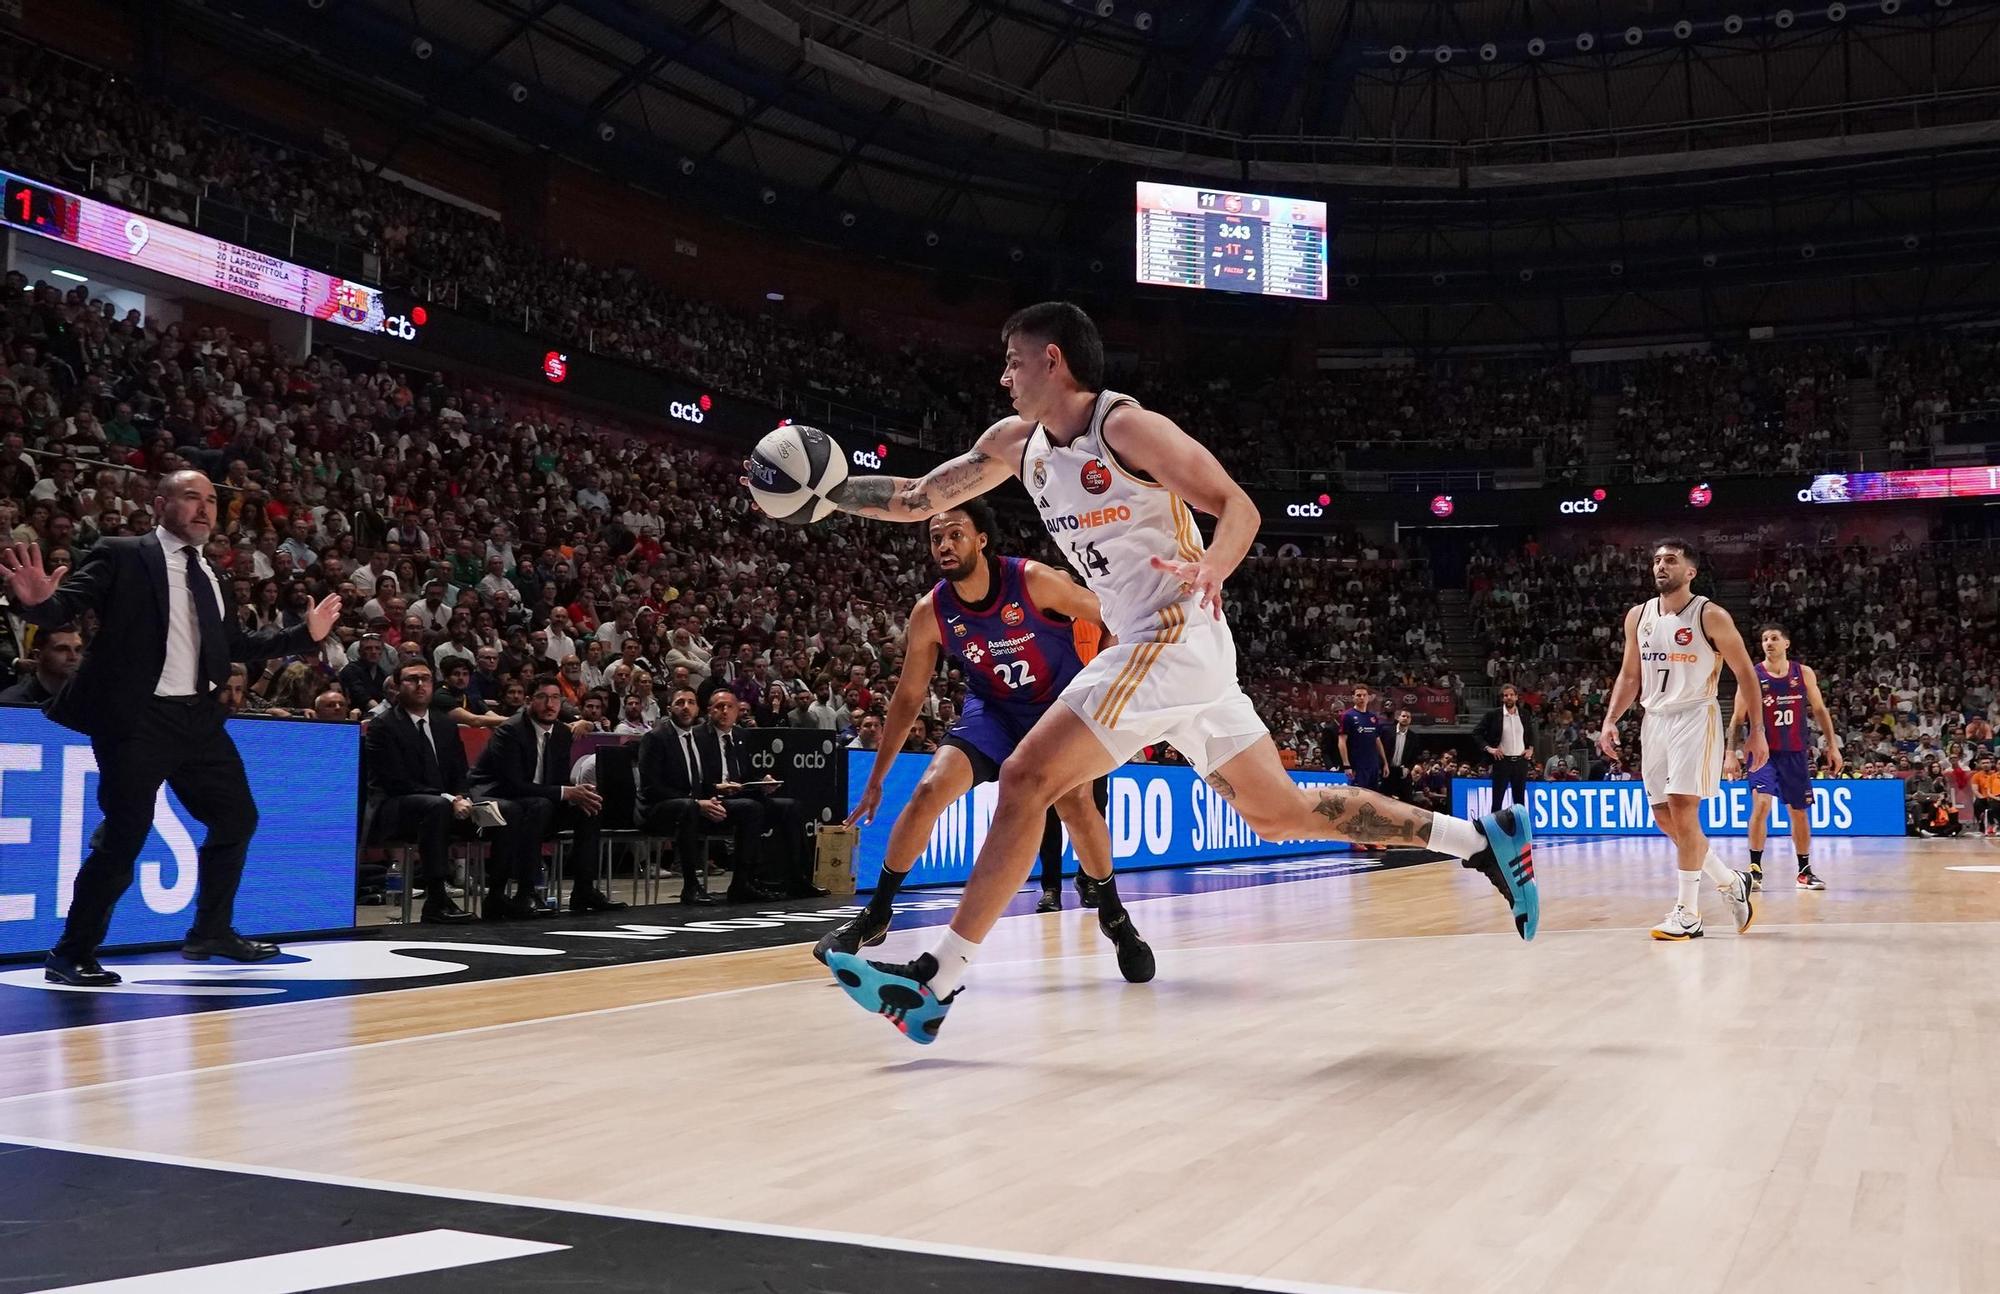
(793, 470)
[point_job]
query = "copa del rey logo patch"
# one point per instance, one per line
(1096, 476)
(1011, 615)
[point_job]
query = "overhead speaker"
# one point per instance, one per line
(1635, 35)
(1537, 47)
(1683, 29)
(1585, 43)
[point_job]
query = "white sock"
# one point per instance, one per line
(1455, 836)
(954, 955)
(1712, 868)
(1691, 892)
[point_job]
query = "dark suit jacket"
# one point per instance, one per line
(663, 771)
(506, 768)
(393, 756)
(124, 580)
(1487, 732)
(1413, 747)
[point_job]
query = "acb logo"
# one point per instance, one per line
(694, 411)
(1304, 510)
(874, 458)
(404, 327)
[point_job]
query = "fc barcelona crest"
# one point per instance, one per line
(958, 629)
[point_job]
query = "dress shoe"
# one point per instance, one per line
(806, 892)
(229, 946)
(594, 900)
(78, 972)
(445, 912)
(750, 893)
(697, 896)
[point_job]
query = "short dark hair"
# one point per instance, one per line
(1072, 333)
(397, 676)
(680, 692)
(450, 663)
(542, 681)
(1768, 626)
(978, 512)
(1681, 546)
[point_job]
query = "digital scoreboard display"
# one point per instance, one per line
(186, 255)
(1916, 483)
(1231, 242)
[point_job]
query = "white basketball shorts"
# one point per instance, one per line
(1177, 684)
(1680, 752)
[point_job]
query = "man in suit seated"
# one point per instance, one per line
(417, 782)
(788, 855)
(679, 799)
(526, 766)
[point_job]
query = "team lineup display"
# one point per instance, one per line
(1231, 242)
(188, 256)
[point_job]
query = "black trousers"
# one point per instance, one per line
(425, 821)
(1510, 772)
(682, 822)
(1052, 836)
(789, 860)
(517, 854)
(183, 744)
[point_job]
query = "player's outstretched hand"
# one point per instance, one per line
(27, 582)
(864, 808)
(1607, 741)
(1197, 578)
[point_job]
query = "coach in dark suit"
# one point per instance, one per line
(526, 766)
(679, 768)
(1509, 732)
(145, 695)
(417, 784)
(1404, 748)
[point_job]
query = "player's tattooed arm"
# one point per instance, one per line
(906, 498)
(1363, 815)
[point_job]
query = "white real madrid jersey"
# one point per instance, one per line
(1677, 662)
(1111, 522)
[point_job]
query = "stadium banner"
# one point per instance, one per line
(1433, 703)
(299, 875)
(807, 760)
(1840, 808)
(1161, 815)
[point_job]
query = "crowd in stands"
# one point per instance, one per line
(1751, 412)
(1926, 383)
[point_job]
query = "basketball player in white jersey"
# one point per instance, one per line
(1675, 647)
(1115, 485)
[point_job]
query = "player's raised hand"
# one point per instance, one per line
(1197, 578)
(27, 582)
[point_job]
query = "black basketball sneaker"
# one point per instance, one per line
(850, 937)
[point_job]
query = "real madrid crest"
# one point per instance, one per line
(1041, 472)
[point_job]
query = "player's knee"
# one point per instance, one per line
(1029, 781)
(933, 793)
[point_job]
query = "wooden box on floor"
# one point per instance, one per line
(833, 862)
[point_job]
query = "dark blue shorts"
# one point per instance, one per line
(1364, 775)
(1786, 775)
(988, 732)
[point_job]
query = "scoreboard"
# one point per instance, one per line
(1231, 242)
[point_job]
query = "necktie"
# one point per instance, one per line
(693, 760)
(211, 644)
(541, 750)
(432, 771)
(729, 758)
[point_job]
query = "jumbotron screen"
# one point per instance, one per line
(1231, 242)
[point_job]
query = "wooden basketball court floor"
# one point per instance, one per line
(1360, 1082)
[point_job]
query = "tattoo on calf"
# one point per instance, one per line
(1354, 815)
(1221, 786)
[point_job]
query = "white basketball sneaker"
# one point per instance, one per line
(1737, 895)
(1680, 924)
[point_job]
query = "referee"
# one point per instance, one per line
(147, 696)
(1508, 733)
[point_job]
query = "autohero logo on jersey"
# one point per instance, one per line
(1088, 520)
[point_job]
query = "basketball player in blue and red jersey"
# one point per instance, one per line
(994, 617)
(1361, 742)
(1789, 689)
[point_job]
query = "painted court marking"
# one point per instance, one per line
(331, 1265)
(1048, 1262)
